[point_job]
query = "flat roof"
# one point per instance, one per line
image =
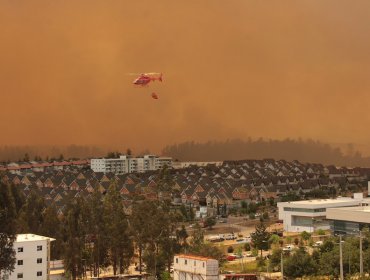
(353, 209)
(357, 214)
(316, 202)
(193, 257)
(32, 237)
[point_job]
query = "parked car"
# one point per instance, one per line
(230, 237)
(231, 258)
(288, 247)
(318, 243)
(215, 238)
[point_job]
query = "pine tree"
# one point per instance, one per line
(74, 238)
(260, 237)
(7, 230)
(117, 231)
(51, 226)
(31, 214)
(97, 251)
(142, 226)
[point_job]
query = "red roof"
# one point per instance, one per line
(79, 162)
(13, 168)
(63, 163)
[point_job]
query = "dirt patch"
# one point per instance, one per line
(253, 223)
(219, 230)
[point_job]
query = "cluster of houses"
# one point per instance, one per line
(215, 186)
(42, 166)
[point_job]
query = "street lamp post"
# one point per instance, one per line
(341, 258)
(282, 265)
(361, 260)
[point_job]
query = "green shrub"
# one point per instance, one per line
(255, 252)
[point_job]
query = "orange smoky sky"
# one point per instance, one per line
(232, 69)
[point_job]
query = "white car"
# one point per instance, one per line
(230, 237)
(288, 247)
(318, 243)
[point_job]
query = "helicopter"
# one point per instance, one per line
(145, 78)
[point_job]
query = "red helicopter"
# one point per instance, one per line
(145, 78)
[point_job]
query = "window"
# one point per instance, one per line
(307, 210)
(20, 249)
(39, 247)
(20, 262)
(195, 263)
(177, 260)
(186, 261)
(203, 264)
(39, 273)
(20, 275)
(39, 260)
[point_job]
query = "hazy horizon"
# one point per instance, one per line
(304, 150)
(232, 70)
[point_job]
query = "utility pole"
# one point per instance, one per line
(282, 266)
(340, 258)
(361, 260)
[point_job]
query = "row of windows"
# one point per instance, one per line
(186, 262)
(39, 248)
(20, 262)
(20, 275)
(304, 210)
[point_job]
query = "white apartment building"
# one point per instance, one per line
(160, 162)
(310, 215)
(189, 267)
(32, 257)
(127, 164)
(110, 165)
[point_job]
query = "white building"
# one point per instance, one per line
(32, 257)
(188, 267)
(160, 162)
(310, 215)
(127, 164)
(348, 220)
(109, 165)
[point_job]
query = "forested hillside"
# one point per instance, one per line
(288, 149)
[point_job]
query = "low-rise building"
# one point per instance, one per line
(348, 220)
(310, 215)
(127, 164)
(32, 257)
(189, 267)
